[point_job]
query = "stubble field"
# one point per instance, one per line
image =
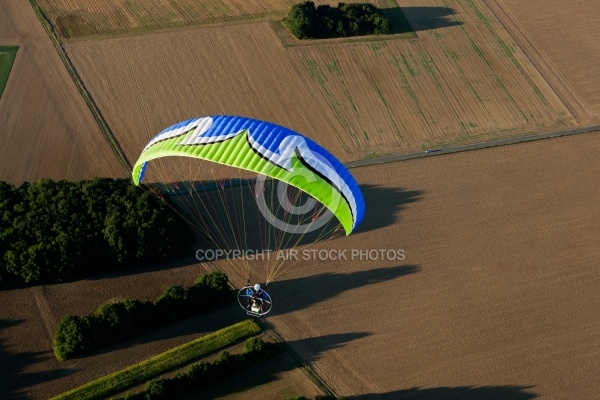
(117, 17)
(565, 41)
(46, 130)
(463, 80)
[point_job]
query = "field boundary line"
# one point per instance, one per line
(288, 40)
(163, 362)
(474, 146)
(540, 60)
(306, 368)
(87, 97)
(44, 309)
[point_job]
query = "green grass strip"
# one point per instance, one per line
(162, 363)
(7, 58)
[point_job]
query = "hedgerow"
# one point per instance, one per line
(319, 397)
(203, 373)
(162, 363)
(116, 321)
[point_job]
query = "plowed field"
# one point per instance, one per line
(497, 296)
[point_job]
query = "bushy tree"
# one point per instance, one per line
(305, 21)
(209, 290)
(155, 390)
(53, 230)
(171, 305)
(301, 20)
(115, 321)
(72, 337)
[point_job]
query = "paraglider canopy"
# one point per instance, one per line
(269, 150)
(299, 193)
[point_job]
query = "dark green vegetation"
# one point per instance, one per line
(204, 373)
(322, 397)
(117, 321)
(51, 231)
(172, 359)
(305, 21)
(7, 57)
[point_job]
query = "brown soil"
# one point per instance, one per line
(561, 38)
(46, 129)
(496, 298)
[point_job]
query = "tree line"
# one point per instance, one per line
(51, 231)
(305, 21)
(117, 321)
(204, 373)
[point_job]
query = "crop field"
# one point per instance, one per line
(88, 17)
(496, 297)
(565, 40)
(463, 80)
(29, 318)
(46, 130)
(144, 84)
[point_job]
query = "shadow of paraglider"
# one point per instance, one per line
(233, 218)
(505, 392)
(329, 285)
(383, 205)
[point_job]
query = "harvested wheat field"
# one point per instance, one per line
(187, 74)
(117, 17)
(463, 80)
(494, 295)
(563, 41)
(46, 129)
